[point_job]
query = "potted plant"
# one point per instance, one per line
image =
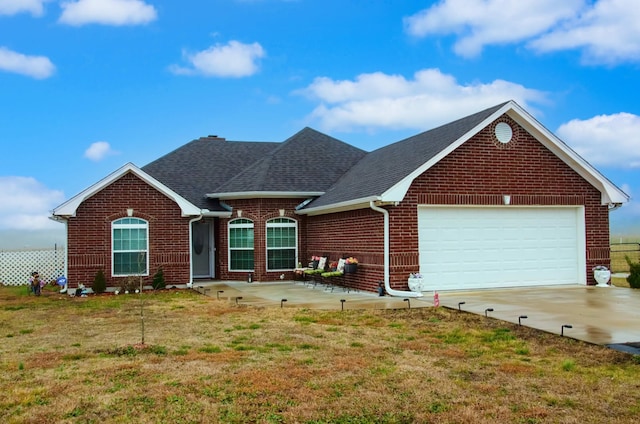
(602, 275)
(350, 265)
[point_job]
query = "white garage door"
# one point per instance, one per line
(489, 247)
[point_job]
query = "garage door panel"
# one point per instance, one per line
(462, 248)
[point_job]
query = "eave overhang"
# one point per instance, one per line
(264, 195)
(610, 193)
(68, 209)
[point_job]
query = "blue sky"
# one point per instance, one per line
(89, 85)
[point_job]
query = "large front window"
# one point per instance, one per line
(241, 245)
(282, 244)
(130, 247)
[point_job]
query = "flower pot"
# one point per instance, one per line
(602, 277)
(350, 268)
(415, 284)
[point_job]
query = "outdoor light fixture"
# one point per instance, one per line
(218, 293)
(238, 298)
(282, 302)
(129, 211)
(408, 302)
(521, 317)
(563, 327)
(487, 310)
(460, 303)
(342, 303)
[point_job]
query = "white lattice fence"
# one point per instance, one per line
(16, 266)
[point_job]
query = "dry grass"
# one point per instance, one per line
(204, 360)
(622, 248)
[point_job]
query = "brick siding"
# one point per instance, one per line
(477, 173)
(89, 233)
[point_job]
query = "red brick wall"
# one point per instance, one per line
(89, 233)
(259, 211)
(356, 233)
(477, 173)
(480, 171)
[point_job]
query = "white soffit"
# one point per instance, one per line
(70, 207)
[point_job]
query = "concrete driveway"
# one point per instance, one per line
(600, 315)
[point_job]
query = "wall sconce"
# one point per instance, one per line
(239, 213)
(129, 211)
(281, 212)
(506, 199)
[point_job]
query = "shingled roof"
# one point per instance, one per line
(211, 168)
(202, 165)
(381, 169)
(308, 162)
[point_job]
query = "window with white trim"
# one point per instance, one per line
(241, 245)
(282, 244)
(130, 247)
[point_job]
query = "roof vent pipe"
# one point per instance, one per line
(388, 289)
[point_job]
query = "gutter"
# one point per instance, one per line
(388, 288)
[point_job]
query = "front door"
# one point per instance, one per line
(202, 250)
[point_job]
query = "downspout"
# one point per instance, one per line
(388, 288)
(191, 221)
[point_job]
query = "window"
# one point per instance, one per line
(241, 245)
(282, 244)
(130, 247)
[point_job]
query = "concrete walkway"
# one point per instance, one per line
(606, 316)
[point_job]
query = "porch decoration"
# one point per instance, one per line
(416, 283)
(602, 275)
(350, 265)
(315, 260)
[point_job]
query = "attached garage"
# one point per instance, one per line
(466, 247)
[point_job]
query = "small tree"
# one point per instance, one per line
(99, 282)
(158, 280)
(634, 274)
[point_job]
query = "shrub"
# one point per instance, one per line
(130, 284)
(634, 274)
(99, 282)
(158, 280)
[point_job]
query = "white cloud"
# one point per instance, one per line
(605, 140)
(233, 60)
(25, 204)
(99, 150)
(608, 32)
(13, 7)
(38, 67)
(482, 22)
(107, 12)
(431, 98)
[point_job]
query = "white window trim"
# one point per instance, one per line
(291, 223)
(229, 249)
(145, 226)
